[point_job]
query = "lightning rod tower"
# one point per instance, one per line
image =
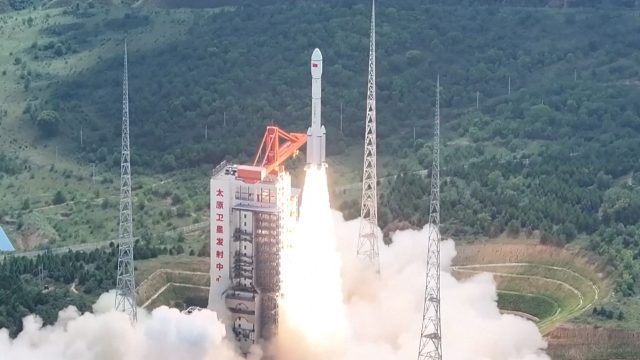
(368, 236)
(126, 284)
(430, 334)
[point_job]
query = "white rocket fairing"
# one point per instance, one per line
(316, 135)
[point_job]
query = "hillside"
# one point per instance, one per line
(552, 156)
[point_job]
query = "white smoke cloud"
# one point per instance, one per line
(385, 313)
(108, 335)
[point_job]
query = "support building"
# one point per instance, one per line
(253, 210)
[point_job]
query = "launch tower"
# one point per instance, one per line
(368, 241)
(126, 283)
(430, 334)
(253, 209)
(253, 212)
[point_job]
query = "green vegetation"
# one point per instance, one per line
(181, 296)
(554, 285)
(537, 159)
(608, 314)
(47, 283)
(22, 293)
(616, 351)
(536, 305)
(8, 165)
(48, 122)
(554, 159)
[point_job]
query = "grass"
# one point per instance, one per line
(53, 166)
(617, 352)
(590, 343)
(145, 268)
(538, 306)
(173, 281)
(90, 213)
(575, 268)
(551, 284)
(181, 297)
(630, 307)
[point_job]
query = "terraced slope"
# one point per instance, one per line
(173, 281)
(551, 285)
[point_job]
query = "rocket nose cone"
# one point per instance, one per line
(316, 64)
(316, 56)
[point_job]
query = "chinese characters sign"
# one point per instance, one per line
(219, 226)
(220, 238)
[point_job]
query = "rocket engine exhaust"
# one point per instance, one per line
(316, 135)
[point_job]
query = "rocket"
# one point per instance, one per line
(316, 135)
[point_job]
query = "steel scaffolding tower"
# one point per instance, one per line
(267, 270)
(368, 237)
(126, 285)
(430, 334)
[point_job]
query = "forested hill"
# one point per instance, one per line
(558, 154)
(8, 5)
(251, 64)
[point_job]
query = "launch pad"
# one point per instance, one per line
(250, 220)
(253, 213)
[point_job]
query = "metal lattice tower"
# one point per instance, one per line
(368, 237)
(430, 334)
(126, 284)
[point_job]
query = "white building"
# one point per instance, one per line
(250, 221)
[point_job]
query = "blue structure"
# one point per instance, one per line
(5, 243)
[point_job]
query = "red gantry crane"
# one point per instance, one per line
(276, 147)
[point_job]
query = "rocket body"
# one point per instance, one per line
(316, 135)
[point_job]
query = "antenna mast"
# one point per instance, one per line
(430, 335)
(126, 284)
(368, 237)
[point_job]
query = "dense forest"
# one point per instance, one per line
(48, 283)
(222, 79)
(551, 146)
(7, 5)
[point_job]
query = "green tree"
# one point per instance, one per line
(48, 122)
(58, 198)
(26, 204)
(513, 228)
(58, 50)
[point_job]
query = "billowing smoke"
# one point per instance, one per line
(384, 313)
(378, 318)
(108, 335)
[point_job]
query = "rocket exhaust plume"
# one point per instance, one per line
(312, 302)
(311, 281)
(333, 307)
(382, 314)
